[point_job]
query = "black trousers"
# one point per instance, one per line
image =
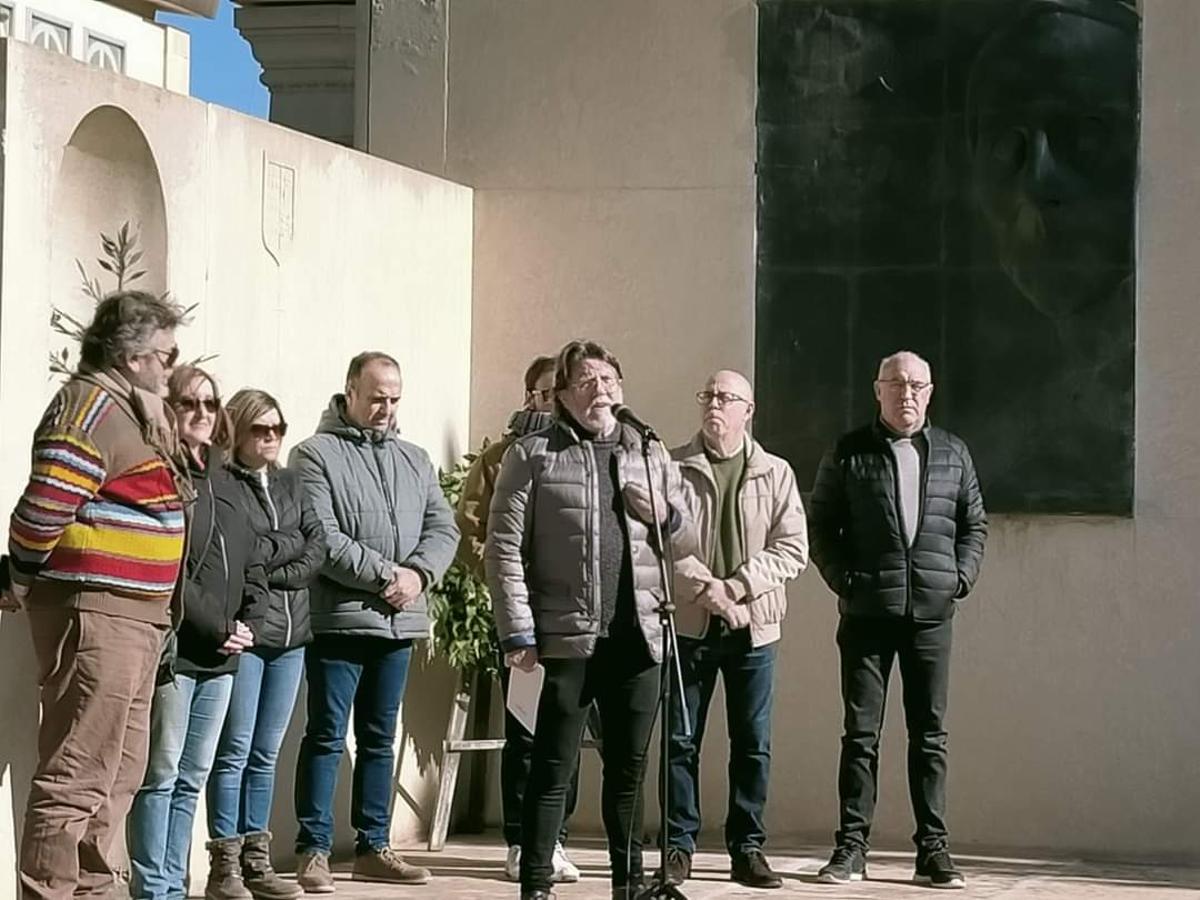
(868, 648)
(516, 759)
(623, 680)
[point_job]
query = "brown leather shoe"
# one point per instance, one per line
(385, 864)
(312, 873)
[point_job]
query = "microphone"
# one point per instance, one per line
(627, 416)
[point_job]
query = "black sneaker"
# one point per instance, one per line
(847, 864)
(937, 870)
(754, 871)
(628, 891)
(679, 865)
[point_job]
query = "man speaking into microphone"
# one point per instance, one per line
(572, 568)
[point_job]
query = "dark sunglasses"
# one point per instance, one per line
(265, 431)
(191, 404)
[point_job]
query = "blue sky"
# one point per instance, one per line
(224, 70)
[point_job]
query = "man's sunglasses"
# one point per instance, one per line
(167, 358)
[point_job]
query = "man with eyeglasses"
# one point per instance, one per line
(898, 531)
(96, 542)
(731, 599)
(472, 520)
(572, 566)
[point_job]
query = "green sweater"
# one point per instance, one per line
(727, 553)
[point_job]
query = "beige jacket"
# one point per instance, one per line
(774, 540)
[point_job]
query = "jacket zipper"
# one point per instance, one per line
(924, 476)
(224, 557)
(287, 595)
(376, 448)
(589, 465)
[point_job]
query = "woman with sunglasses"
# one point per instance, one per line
(264, 689)
(224, 596)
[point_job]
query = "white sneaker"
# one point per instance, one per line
(512, 863)
(565, 871)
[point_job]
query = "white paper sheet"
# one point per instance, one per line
(524, 691)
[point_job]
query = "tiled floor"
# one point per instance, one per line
(474, 869)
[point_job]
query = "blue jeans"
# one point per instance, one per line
(242, 785)
(749, 680)
(185, 722)
(368, 673)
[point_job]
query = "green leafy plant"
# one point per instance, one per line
(461, 607)
(121, 255)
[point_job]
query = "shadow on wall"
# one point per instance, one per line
(18, 743)
(423, 720)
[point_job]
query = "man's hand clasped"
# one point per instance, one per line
(637, 498)
(404, 588)
(719, 598)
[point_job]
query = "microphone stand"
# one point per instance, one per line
(658, 888)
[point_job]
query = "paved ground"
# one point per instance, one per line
(474, 869)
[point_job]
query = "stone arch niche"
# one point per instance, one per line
(108, 177)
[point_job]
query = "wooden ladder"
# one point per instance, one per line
(471, 702)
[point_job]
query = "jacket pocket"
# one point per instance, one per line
(559, 614)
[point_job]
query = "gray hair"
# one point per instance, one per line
(123, 325)
(900, 356)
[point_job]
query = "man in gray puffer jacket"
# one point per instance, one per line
(390, 534)
(571, 561)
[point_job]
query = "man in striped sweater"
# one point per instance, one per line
(95, 545)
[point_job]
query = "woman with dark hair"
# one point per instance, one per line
(264, 690)
(223, 599)
(573, 571)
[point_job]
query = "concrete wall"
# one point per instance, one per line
(612, 149)
(361, 254)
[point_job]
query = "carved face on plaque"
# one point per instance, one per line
(1052, 128)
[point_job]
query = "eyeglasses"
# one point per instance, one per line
(593, 384)
(167, 358)
(723, 398)
(193, 404)
(542, 393)
(262, 432)
(900, 385)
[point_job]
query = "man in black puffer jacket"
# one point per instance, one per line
(897, 529)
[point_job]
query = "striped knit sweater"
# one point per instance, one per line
(102, 513)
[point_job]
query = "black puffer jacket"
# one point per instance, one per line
(291, 541)
(226, 580)
(856, 534)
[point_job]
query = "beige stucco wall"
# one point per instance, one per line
(612, 148)
(380, 258)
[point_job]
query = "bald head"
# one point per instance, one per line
(732, 381)
(904, 359)
(903, 389)
(726, 405)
